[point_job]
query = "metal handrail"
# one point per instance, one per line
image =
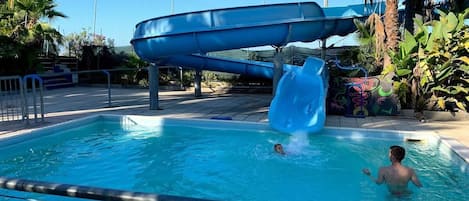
(106, 72)
(87, 192)
(33, 78)
(89, 71)
(108, 75)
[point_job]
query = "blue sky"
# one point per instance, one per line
(116, 19)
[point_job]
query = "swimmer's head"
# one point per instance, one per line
(396, 153)
(279, 149)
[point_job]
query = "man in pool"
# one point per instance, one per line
(279, 149)
(396, 176)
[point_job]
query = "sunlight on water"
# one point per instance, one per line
(222, 163)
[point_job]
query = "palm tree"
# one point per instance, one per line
(32, 29)
(37, 9)
(11, 4)
(23, 34)
(391, 29)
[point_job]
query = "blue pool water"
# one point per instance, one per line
(227, 161)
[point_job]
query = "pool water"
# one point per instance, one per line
(223, 162)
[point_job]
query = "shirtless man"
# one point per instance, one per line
(396, 176)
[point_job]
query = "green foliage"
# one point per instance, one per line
(436, 61)
(187, 77)
(369, 55)
(402, 90)
(23, 34)
(133, 61)
(75, 42)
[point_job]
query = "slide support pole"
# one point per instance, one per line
(153, 79)
(278, 68)
(323, 49)
(198, 83)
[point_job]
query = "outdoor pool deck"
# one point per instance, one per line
(71, 103)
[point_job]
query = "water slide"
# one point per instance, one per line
(299, 103)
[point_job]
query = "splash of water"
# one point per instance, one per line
(298, 143)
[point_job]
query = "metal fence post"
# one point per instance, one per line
(108, 75)
(34, 78)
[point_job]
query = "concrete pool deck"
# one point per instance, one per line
(71, 103)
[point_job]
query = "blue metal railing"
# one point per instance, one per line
(108, 76)
(33, 78)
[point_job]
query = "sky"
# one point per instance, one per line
(116, 19)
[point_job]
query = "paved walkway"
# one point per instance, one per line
(71, 103)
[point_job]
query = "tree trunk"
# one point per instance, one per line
(391, 27)
(11, 4)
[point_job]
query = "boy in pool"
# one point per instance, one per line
(396, 176)
(279, 149)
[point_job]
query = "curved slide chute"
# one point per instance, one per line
(183, 39)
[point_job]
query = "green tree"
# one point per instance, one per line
(390, 33)
(74, 42)
(371, 38)
(434, 65)
(391, 29)
(35, 31)
(23, 33)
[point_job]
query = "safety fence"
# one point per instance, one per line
(19, 97)
(22, 98)
(11, 98)
(107, 76)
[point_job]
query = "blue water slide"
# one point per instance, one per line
(299, 103)
(184, 39)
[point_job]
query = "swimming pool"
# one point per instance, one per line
(226, 160)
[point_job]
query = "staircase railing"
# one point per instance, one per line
(34, 96)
